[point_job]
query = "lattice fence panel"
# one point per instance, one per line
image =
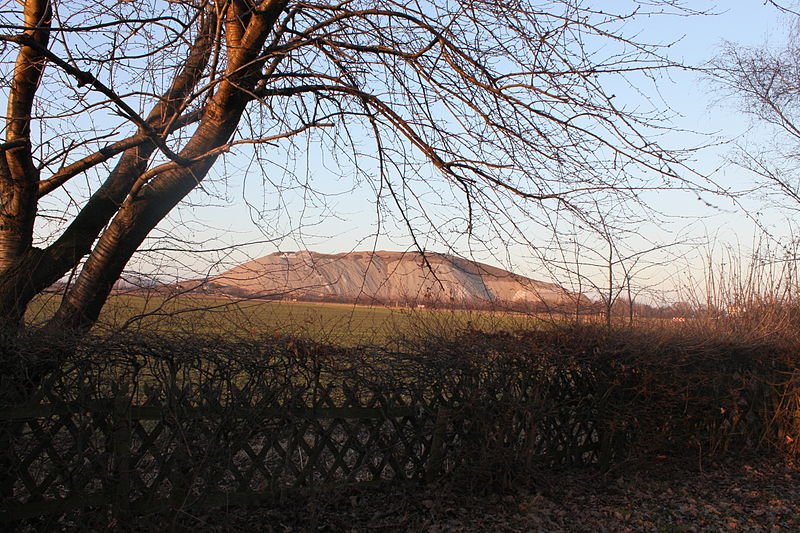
(165, 433)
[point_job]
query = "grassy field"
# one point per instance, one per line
(342, 324)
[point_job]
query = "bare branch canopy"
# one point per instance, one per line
(119, 111)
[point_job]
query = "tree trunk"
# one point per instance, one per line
(149, 203)
(26, 271)
(19, 176)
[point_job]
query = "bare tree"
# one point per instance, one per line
(116, 112)
(765, 83)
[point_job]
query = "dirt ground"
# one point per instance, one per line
(664, 498)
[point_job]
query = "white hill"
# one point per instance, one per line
(386, 278)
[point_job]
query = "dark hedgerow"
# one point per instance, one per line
(135, 424)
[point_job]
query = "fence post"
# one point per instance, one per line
(436, 456)
(121, 454)
(180, 478)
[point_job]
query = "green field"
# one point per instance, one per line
(347, 325)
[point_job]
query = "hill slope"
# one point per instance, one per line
(387, 278)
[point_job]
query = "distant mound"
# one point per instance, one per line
(385, 278)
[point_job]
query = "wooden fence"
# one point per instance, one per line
(135, 458)
(136, 425)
